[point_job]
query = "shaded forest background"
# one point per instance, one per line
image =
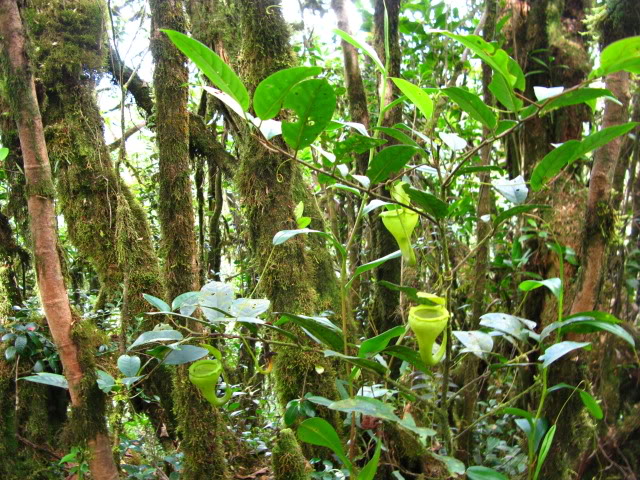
(135, 189)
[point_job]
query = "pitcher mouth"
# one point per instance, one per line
(205, 368)
(427, 313)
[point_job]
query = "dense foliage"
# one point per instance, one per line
(405, 252)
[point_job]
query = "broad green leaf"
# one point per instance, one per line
(519, 413)
(417, 96)
(363, 363)
(161, 305)
(284, 235)
(318, 431)
(504, 125)
(159, 336)
(20, 343)
(46, 378)
(592, 405)
(368, 472)
(373, 264)
(379, 342)
(373, 204)
(129, 365)
(406, 354)
(366, 406)
(517, 210)
(473, 105)
(366, 48)
(484, 473)
(621, 55)
(572, 150)
(587, 324)
(105, 381)
(497, 59)
(4, 152)
(313, 102)
(554, 352)
(428, 202)
(271, 92)
(504, 93)
(582, 95)
(553, 284)
(356, 143)
(220, 74)
(409, 423)
(128, 381)
(544, 450)
(185, 354)
(527, 427)
(319, 329)
(187, 298)
(292, 412)
(10, 353)
(388, 161)
(398, 135)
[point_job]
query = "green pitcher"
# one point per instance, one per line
(401, 223)
(205, 374)
(427, 323)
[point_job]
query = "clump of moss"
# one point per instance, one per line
(87, 419)
(287, 459)
(201, 428)
(69, 40)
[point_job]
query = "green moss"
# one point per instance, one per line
(287, 459)
(200, 427)
(87, 419)
(296, 276)
(8, 441)
(69, 37)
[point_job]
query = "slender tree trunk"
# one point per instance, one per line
(479, 279)
(199, 423)
(297, 276)
(600, 216)
(172, 132)
(42, 218)
(385, 313)
(359, 113)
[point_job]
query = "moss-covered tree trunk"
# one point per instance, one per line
(297, 276)
(87, 400)
(199, 423)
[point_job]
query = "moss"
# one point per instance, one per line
(89, 418)
(296, 276)
(8, 441)
(200, 427)
(175, 205)
(69, 37)
(287, 459)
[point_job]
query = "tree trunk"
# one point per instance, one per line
(42, 219)
(479, 280)
(199, 423)
(384, 313)
(297, 276)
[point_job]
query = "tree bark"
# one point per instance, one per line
(297, 276)
(385, 312)
(42, 220)
(479, 280)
